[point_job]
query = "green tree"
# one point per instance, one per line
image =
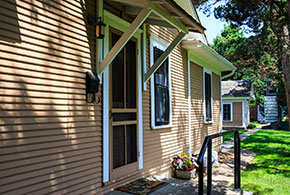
(269, 18)
(254, 61)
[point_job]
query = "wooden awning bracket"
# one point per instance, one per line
(163, 56)
(138, 21)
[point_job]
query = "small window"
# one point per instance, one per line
(208, 97)
(161, 89)
(227, 112)
(161, 108)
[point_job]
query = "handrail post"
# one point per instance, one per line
(207, 145)
(200, 178)
(237, 156)
(209, 167)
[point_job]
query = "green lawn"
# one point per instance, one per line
(269, 172)
(231, 135)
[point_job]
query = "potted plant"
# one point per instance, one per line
(183, 166)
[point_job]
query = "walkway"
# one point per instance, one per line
(223, 176)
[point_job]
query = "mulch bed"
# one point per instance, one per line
(224, 156)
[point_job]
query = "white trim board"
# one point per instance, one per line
(236, 98)
(155, 42)
(193, 59)
(106, 125)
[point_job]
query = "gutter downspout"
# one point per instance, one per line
(189, 107)
(228, 75)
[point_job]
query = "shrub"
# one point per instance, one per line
(251, 126)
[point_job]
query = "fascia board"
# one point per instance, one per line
(210, 56)
(236, 98)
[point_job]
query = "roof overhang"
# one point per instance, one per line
(205, 56)
(174, 14)
(239, 98)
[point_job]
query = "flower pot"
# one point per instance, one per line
(185, 174)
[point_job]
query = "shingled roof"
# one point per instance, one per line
(240, 88)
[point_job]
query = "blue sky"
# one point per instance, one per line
(212, 25)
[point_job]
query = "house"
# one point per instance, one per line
(268, 113)
(235, 103)
(159, 92)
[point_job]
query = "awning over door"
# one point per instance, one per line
(157, 12)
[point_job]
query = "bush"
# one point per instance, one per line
(251, 126)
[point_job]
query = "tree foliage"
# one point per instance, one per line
(269, 18)
(254, 59)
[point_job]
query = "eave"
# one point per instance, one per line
(204, 55)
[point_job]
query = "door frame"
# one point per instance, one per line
(125, 169)
(114, 21)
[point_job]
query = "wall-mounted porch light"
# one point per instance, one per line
(100, 28)
(100, 25)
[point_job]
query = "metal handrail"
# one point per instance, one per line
(207, 144)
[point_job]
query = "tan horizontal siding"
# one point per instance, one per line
(237, 115)
(50, 138)
(161, 144)
(199, 129)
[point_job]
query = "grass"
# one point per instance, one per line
(231, 135)
(269, 172)
(256, 124)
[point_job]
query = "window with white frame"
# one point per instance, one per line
(160, 88)
(227, 112)
(207, 96)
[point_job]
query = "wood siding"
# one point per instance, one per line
(161, 144)
(237, 115)
(50, 138)
(199, 130)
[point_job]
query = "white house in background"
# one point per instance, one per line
(235, 103)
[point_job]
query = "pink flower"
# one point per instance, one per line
(180, 162)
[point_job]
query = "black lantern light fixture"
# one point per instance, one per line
(100, 25)
(100, 28)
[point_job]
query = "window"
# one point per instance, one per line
(207, 97)
(160, 87)
(227, 112)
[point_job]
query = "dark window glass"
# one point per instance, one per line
(131, 143)
(226, 112)
(131, 74)
(208, 95)
(118, 76)
(118, 146)
(161, 87)
(124, 116)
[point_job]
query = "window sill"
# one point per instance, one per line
(227, 121)
(207, 122)
(161, 126)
